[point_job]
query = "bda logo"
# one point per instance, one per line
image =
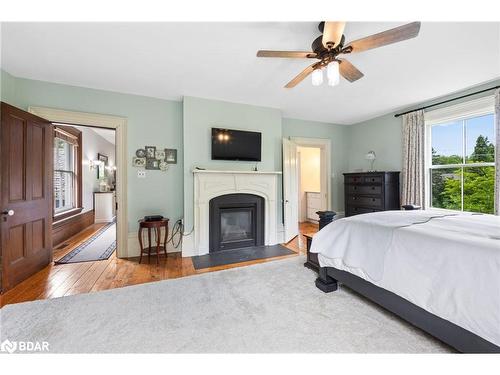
(8, 346)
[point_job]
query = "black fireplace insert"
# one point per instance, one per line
(236, 221)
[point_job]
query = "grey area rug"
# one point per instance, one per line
(98, 247)
(220, 258)
(270, 307)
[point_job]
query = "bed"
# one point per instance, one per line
(438, 270)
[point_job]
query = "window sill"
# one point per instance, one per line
(65, 214)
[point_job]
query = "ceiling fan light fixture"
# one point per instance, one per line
(317, 77)
(333, 73)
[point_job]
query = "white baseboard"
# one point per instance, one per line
(188, 245)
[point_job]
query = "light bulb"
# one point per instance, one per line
(317, 77)
(332, 73)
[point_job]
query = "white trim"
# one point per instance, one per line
(233, 172)
(471, 108)
(459, 112)
(110, 122)
(326, 158)
(212, 184)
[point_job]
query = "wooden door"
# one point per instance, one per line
(26, 194)
(290, 190)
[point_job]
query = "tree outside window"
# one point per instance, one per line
(462, 172)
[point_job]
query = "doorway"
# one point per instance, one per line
(310, 198)
(84, 210)
(118, 124)
(306, 184)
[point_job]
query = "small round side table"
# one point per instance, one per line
(156, 226)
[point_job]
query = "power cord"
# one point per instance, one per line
(177, 234)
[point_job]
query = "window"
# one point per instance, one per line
(64, 175)
(67, 172)
(461, 143)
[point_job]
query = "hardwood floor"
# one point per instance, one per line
(74, 278)
(298, 244)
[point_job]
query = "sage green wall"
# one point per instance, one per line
(186, 127)
(150, 121)
(384, 134)
(8, 91)
(200, 115)
(338, 135)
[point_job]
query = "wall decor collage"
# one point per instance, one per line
(153, 158)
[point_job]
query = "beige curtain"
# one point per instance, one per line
(413, 159)
(497, 154)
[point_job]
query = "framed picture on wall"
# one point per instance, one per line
(171, 155)
(153, 164)
(150, 152)
(160, 154)
(139, 162)
(103, 162)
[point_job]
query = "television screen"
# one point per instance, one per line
(230, 144)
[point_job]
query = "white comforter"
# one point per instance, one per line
(447, 264)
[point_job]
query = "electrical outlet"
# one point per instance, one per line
(141, 173)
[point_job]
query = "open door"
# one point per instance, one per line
(26, 194)
(290, 190)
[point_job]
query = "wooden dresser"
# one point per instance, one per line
(371, 192)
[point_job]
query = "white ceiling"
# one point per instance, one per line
(217, 61)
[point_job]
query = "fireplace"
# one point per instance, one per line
(236, 221)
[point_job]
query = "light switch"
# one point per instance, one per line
(141, 173)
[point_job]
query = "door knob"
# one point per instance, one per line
(8, 212)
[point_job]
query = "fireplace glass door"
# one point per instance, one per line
(236, 221)
(236, 225)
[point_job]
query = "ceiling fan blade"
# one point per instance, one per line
(332, 34)
(384, 38)
(302, 75)
(289, 54)
(349, 71)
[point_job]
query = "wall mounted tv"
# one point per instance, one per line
(241, 145)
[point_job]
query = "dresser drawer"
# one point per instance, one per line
(357, 200)
(373, 180)
(360, 210)
(363, 189)
(354, 179)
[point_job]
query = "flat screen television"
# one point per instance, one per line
(241, 145)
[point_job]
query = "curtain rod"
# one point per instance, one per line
(446, 101)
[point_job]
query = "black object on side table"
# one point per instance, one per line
(325, 218)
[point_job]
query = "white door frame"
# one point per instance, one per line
(290, 190)
(326, 153)
(119, 124)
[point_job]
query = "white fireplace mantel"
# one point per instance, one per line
(233, 172)
(209, 184)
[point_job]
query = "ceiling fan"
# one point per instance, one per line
(331, 44)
